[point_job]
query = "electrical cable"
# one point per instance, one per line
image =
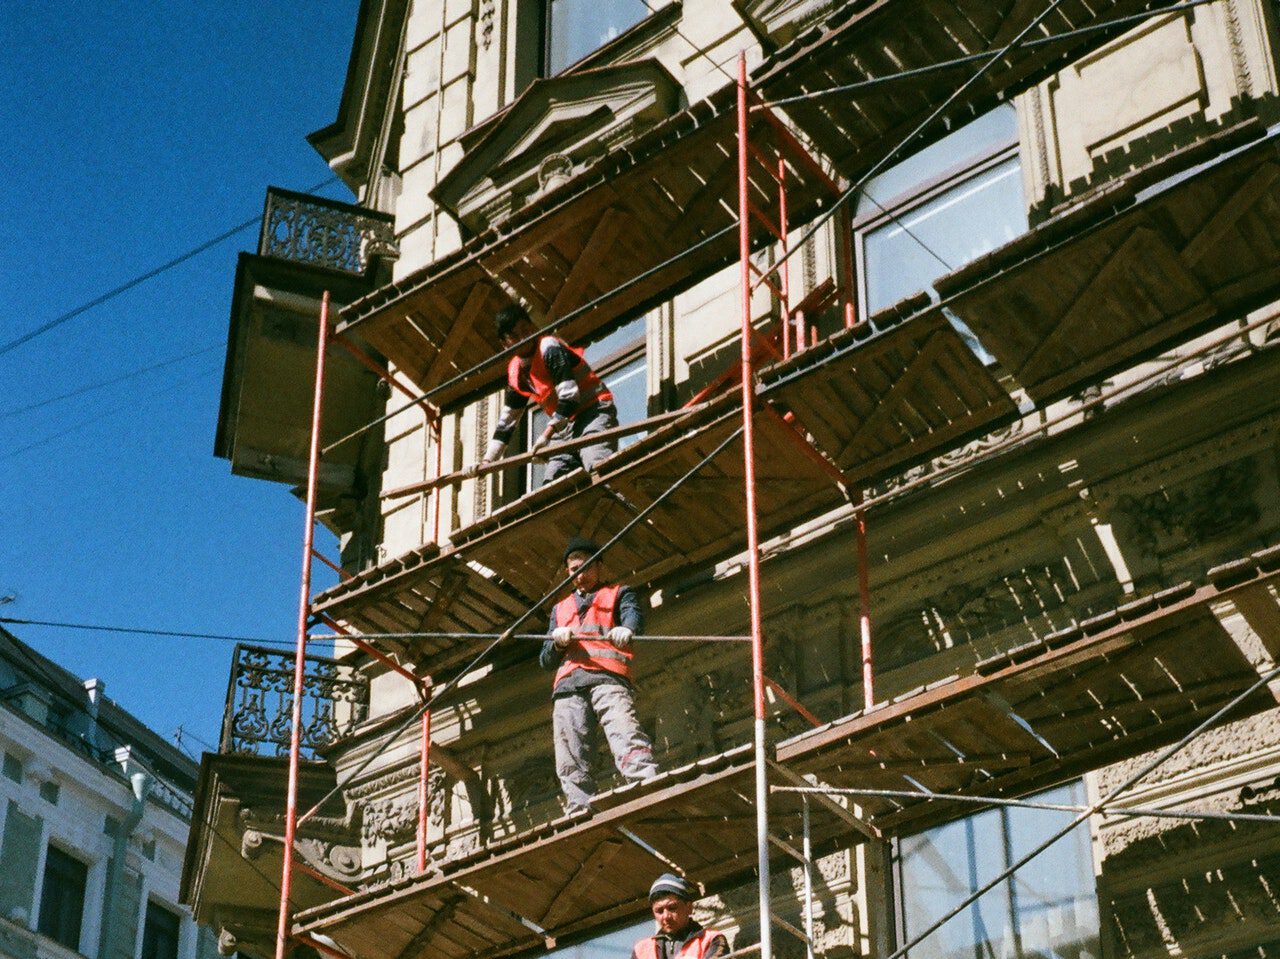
(143, 631)
(123, 377)
(942, 65)
(104, 414)
(143, 277)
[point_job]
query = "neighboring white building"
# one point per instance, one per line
(94, 814)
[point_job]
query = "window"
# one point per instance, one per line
(613, 945)
(1047, 909)
(940, 209)
(575, 28)
(160, 933)
(62, 898)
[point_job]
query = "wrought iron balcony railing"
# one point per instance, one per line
(321, 232)
(257, 719)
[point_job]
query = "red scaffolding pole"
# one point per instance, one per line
(300, 654)
(753, 536)
(423, 684)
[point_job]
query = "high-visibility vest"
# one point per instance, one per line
(542, 389)
(598, 619)
(695, 948)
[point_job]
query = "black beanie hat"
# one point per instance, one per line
(578, 544)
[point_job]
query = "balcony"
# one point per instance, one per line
(232, 870)
(257, 718)
(307, 246)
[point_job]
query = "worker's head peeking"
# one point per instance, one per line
(513, 325)
(671, 899)
(578, 563)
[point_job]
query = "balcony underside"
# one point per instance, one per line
(865, 41)
(1094, 289)
(1108, 690)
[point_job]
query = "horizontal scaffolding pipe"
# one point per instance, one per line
(484, 469)
(534, 636)
(1132, 812)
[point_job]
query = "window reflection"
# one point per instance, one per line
(1047, 909)
(925, 242)
(940, 209)
(615, 945)
(577, 27)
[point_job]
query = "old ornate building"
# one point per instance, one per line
(95, 809)
(1030, 297)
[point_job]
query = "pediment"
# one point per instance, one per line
(557, 127)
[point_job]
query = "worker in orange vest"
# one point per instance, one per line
(589, 647)
(671, 899)
(548, 371)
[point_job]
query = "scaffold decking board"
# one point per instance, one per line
(699, 522)
(1107, 690)
(574, 873)
(1094, 290)
(602, 232)
(878, 401)
(424, 591)
(863, 41)
(435, 326)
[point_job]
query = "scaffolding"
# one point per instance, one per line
(869, 756)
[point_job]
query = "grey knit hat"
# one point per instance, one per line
(669, 884)
(579, 544)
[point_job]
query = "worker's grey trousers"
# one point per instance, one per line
(572, 718)
(599, 418)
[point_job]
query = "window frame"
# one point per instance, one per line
(43, 919)
(918, 195)
(176, 915)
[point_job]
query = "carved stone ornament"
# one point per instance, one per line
(554, 170)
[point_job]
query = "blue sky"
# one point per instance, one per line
(133, 132)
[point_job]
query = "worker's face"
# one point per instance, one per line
(585, 575)
(672, 914)
(521, 331)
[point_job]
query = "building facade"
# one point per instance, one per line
(1030, 300)
(96, 809)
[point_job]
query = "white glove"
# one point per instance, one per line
(561, 637)
(620, 636)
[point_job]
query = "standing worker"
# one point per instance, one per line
(589, 647)
(553, 374)
(677, 936)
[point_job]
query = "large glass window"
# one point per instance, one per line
(1047, 910)
(940, 209)
(574, 28)
(62, 898)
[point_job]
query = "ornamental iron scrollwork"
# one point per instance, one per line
(322, 232)
(259, 712)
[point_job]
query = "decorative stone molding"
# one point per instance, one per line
(553, 131)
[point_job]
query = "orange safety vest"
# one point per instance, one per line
(543, 391)
(695, 948)
(598, 654)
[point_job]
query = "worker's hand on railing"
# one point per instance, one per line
(620, 636)
(561, 637)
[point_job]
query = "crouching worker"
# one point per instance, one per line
(589, 647)
(553, 374)
(678, 936)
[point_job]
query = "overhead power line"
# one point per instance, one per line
(123, 377)
(143, 631)
(142, 278)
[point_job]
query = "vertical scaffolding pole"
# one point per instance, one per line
(300, 654)
(753, 545)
